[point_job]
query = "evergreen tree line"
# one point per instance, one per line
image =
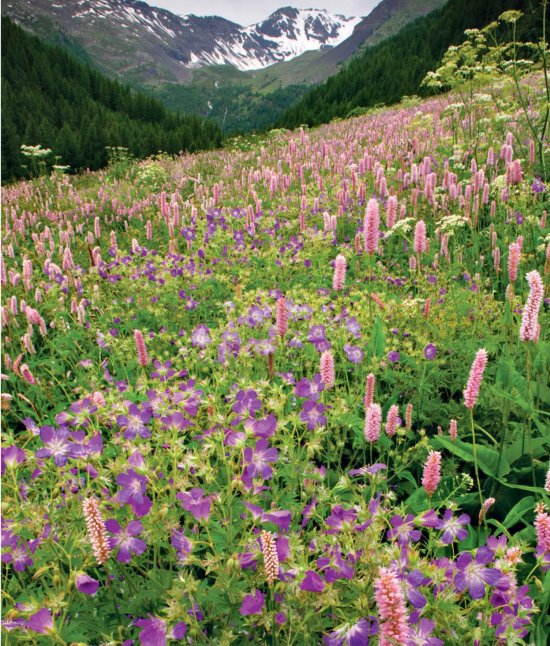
(395, 68)
(51, 99)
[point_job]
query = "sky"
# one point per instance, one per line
(248, 12)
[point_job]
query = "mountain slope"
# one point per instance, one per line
(130, 39)
(51, 99)
(395, 67)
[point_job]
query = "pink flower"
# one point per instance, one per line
(371, 225)
(420, 237)
(453, 430)
(530, 327)
(514, 253)
(373, 422)
(432, 472)
(96, 530)
(542, 527)
(327, 369)
(369, 390)
(141, 348)
(489, 502)
(408, 416)
(281, 317)
(390, 600)
(392, 420)
(474, 380)
(547, 481)
(339, 279)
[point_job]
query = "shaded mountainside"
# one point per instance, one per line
(394, 68)
(50, 98)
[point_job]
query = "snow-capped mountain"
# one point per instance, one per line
(133, 39)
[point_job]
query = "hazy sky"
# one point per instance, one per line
(247, 12)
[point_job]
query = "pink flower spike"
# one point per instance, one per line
(339, 278)
(371, 225)
(394, 627)
(530, 327)
(327, 369)
(141, 348)
(281, 317)
(373, 422)
(369, 390)
(474, 381)
(432, 472)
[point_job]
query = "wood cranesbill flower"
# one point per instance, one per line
(473, 574)
(252, 604)
(133, 492)
(196, 503)
(125, 539)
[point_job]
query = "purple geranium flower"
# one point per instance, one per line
(264, 427)
(473, 573)
(394, 356)
(355, 635)
(421, 634)
(353, 353)
(133, 492)
(56, 445)
(155, 631)
(200, 337)
(453, 528)
(312, 582)
(86, 584)
(253, 604)
(403, 530)
(258, 459)
(196, 503)
(182, 545)
(41, 621)
(11, 457)
(125, 539)
(134, 422)
(310, 389)
(430, 352)
(312, 413)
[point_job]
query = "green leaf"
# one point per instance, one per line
(377, 342)
(538, 490)
(487, 459)
(518, 511)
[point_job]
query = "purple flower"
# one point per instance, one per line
(280, 518)
(154, 631)
(403, 530)
(196, 503)
(394, 356)
(41, 621)
(310, 389)
(538, 185)
(472, 573)
(312, 413)
(262, 428)
(56, 445)
(246, 403)
(340, 518)
(134, 422)
(133, 492)
(258, 460)
(430, 351)
(253, 604)
(353, 326)
(420, 635)
(11, 457)
(353, 353)
(312, 582)
(316, 334)
(125, 539)
(453, 528)
(368, 470)
(162, 371)
(86, 584)
(200, 337)
(355, 635)
(182, 545)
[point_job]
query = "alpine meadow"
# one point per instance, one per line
(290, 387)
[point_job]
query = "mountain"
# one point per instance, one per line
(51, 99)
(395, 67)
(132, 40)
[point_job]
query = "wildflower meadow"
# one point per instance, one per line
(292, 391)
